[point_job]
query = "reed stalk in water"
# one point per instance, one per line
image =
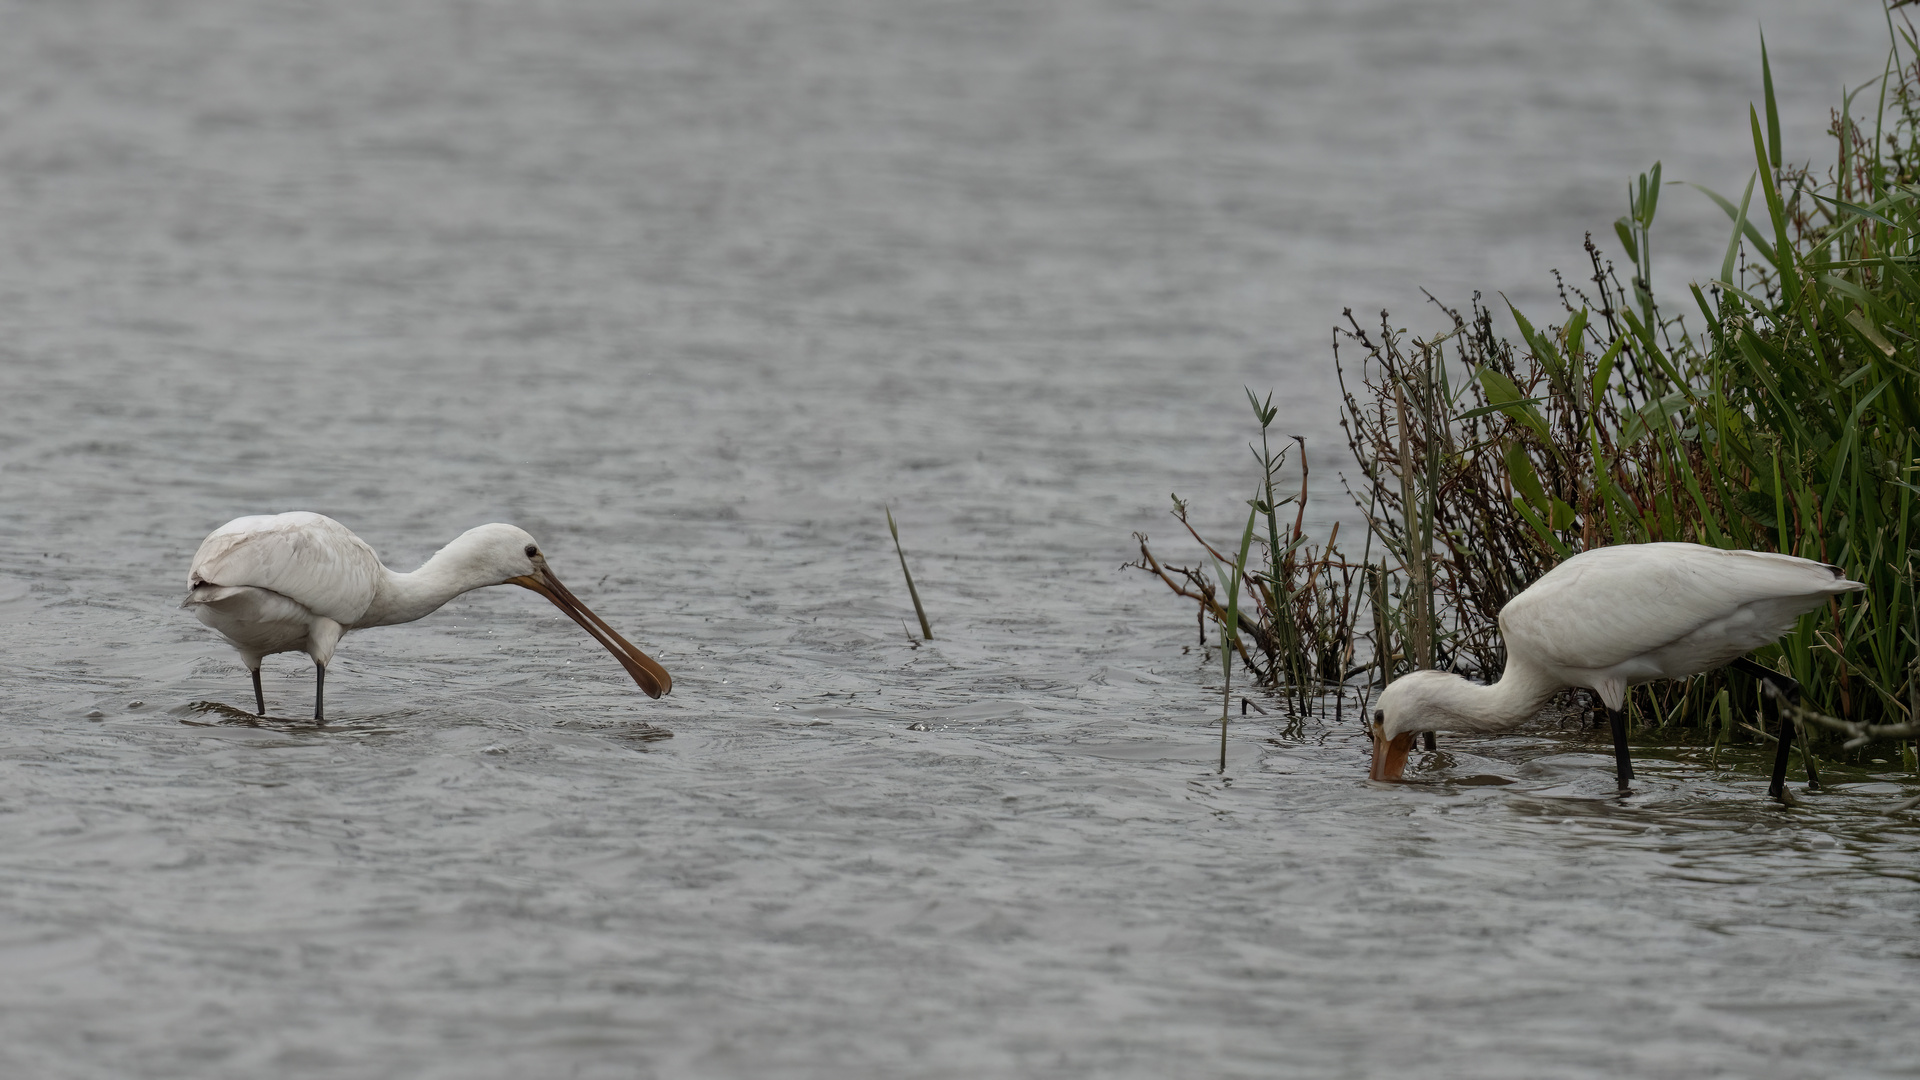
(925, 630)
(1230, 627)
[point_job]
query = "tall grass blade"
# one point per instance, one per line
(1773, 109)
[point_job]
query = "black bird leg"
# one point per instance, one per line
(259, 698)
(1622, 764)
(1426, 738)
(1783, 746)
(319, 693)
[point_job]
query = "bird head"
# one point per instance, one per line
(509, 555)
(1400, 713)
(497, 553)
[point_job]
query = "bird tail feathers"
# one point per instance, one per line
(209, 594)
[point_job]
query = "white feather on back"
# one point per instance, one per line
(1610, 605)
(308, 558)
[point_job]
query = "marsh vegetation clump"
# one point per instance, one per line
(1781, 413)
(1290, 613)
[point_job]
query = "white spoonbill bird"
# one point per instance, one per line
(1611, 618)
(297, 582)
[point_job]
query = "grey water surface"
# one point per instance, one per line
(692, 290)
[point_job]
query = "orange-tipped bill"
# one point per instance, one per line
(1389, 755)
(651, 677)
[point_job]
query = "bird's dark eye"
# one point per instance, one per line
(532, 551)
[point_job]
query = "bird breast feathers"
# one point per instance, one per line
(1609, 605)
(308, 558)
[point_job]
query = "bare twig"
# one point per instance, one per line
(1860, 733)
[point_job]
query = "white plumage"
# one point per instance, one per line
(297, 582)
(309, 558)
(1608, 619)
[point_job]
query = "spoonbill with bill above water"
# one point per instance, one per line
(297, 582)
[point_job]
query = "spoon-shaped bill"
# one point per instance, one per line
(651, 677)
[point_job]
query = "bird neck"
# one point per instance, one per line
(400, 598)
(1454, 704)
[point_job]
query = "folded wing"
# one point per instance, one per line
(308, 558)
(1609, 605)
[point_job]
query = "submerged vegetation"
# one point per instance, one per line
(1786, 419)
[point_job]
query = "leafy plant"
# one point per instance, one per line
(1790, 421)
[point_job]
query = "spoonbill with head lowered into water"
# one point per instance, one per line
(1611, 618)
(297, 582)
